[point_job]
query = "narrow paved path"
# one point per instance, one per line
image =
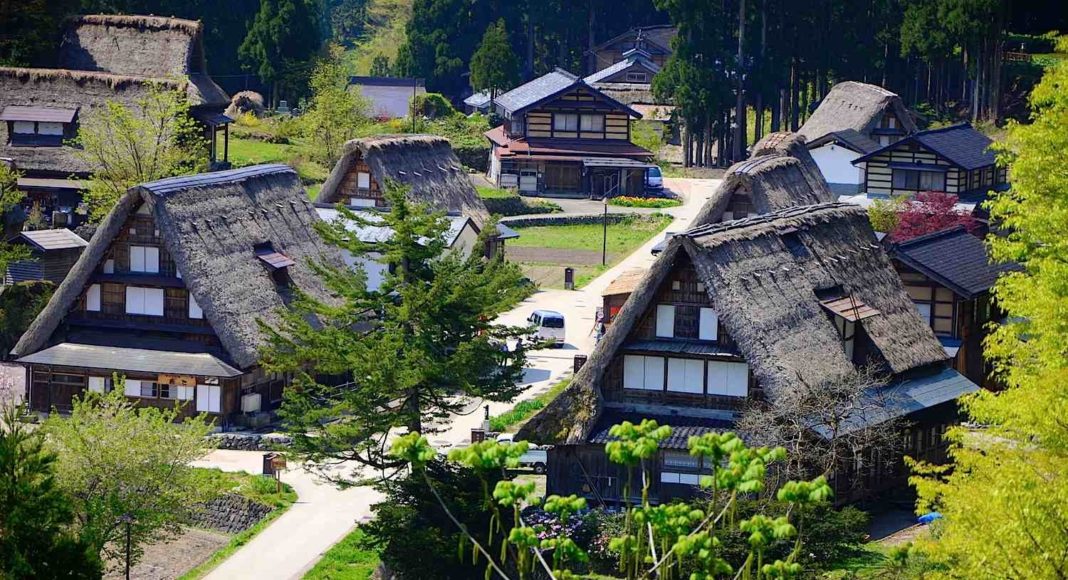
(323, 514)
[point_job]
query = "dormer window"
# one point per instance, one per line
(846, 311)
(38, 126)
(637, 77)
(276, 262)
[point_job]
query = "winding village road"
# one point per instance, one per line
(323, 514)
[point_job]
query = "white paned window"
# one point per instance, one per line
(49, 128)
(665, 321)
(363, 180)
(133, 388)
(924, 310)
(669, 477)
(686, 375)
(144, 259)
(592, 123)
(194, 308)
(361, 202)
(92, 298)
(148, 301)
(728, 379)
(98, 384)
(109, 266)
(25, 127)
(209, 398)
(680, 478)
(680, 460)
(565, 122)
(643, 373)
(709, 329)
(184, 393)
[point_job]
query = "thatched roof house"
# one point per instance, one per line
(425, 164)
(101, 58)
(779, 175)
(186, 265)
(868, 109)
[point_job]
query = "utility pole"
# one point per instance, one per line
(128, 520)
(604, 243)
(739, 109)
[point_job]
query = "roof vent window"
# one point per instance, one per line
(792, 240)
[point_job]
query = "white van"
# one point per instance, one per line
(548, 326)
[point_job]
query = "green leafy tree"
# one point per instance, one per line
(124, 146)
(36, 539)
(1005, 498)
(494, 66)
(885, 214)
(334, 114)
(430, 322)
(10, 198)
(380, 66)
(281, 43)
(119, 461)
(20, 303)
(31, 30)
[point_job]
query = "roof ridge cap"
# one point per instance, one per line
(931, 235)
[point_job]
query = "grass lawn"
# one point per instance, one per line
(542, 252)
(623, 237)
(346, 560)
(494, 193)
(255, 151)
(511, 420)
(255, 487)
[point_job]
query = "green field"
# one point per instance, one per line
(511, 420)
(346, 560)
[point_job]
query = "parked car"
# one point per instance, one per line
(654, 179)
(548, 326)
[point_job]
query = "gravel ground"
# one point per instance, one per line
(12, 382)
(171, 559)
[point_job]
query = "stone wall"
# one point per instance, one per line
(230, 513)
(249, 441)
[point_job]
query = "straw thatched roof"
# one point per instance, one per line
(854, 105)
(763, 276)
(424, 163)
(628, 93)
(211, 225)
(780, 174)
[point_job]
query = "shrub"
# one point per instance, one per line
(248, 119)
(515, 205)
(433, 106)
(653, 202)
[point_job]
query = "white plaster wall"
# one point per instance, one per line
(835, 162)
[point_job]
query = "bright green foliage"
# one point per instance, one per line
(494, 66)
(36, 538)
(412, 448)
(10, 197)
(489, 455)
(117, 459)
(123, 147)
(281, 42)
(409, 352)
(634, 443)
(884, 214)
(334, 114)
(1005, 501)
(644, 134)
(806, 492)
(563, 506)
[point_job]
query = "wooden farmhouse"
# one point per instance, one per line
(654, 41)
(427, 166)
(562, 136)
(101, 58)
(170, 292)
(52, 254)
(854, 119)
(948, 275)
(955, 159)
(740, 313)
(629, 81)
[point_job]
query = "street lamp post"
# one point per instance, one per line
(604, 242)
(128, 520)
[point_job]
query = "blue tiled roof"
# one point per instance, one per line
(682, 427)
(622, 66)
(529, 93)
(953, 258)
(172, 184)
(960, 144)
(903, 397)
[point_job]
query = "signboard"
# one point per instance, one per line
(177, 380)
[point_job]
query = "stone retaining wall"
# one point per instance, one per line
(249, 441)
(230, 513)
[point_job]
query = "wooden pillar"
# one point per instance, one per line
(226, 143)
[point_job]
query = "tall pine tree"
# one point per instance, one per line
(494, 66)
(281, 43)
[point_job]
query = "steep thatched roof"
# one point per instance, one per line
(211, 225)
(143, 46)
(628, 93)
(780, 174)
(762, 274)
(71, 89)
(425, 163)
(853, 105)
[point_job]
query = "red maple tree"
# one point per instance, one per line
(930, 211)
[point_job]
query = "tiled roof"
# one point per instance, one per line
(173, 184)
(529, 93)
(682, 428)
(850, 138)
(38, 113)
(57, 239)
(960, 144)
(952, 257)
(621, 66)
(131, 359)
